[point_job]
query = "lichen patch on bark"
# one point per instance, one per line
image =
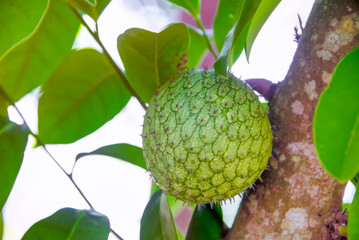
(297, 107)
(309, 89)
(295, 219)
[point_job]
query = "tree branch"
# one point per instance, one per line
(96, 36)
(297, 198)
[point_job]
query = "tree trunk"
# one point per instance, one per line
(297, 199)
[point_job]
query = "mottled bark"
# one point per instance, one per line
(297, 199)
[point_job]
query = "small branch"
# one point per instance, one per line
(96, 36)
(69, 176)
(200, 25)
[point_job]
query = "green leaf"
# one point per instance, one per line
(3, 106)
(85, 7)
(101, 5)
(227, 15)
(30, 63)
(353, 221)
(81, 95)
(150, 59)
(336, 121)
(225, 58)
(206, 224)
(13, 140)
(346, 207)
(193, 6)
(157, 222)
(125, 152)
(1, 226)
(260, 17)
(197, 48)
(19, 19)
(93, 10)
(355, 180)
(71, 224)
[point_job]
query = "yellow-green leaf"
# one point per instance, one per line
(18, 20)
(81, 95)
(150, 59)
(31, 62)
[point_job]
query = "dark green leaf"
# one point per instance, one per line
(226, 59)
(227, 15)
(13, 140)
(82, 94)
(260, 17)
(353, 221)
(93, 10)
(157, 222)
(336, 121)
(206, 224)
(71, 224)
(150, 59)
(30, 63)
(125, 152)
(197, 48)
(18, 19)
(193, 6)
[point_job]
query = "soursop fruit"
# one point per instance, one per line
(206, 138)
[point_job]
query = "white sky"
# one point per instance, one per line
(117, 189)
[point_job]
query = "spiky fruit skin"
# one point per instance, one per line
(206, 138)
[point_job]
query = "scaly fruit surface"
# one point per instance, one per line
(206, 138)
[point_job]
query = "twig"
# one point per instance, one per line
(69, 176)
(96, 36)
(200, 25)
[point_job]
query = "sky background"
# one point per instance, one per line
(118, 189)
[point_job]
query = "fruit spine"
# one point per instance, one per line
(206, 138)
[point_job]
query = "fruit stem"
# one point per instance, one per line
(96, 36)
(209, 45)
(40, 143)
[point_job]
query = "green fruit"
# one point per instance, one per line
(206, 138)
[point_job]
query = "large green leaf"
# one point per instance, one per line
(157, 222)
(197, 48)
(81, 95)
(125, 152)
(18, 19)
(150, 59)
(336, 121)
(30, 63)
(225, 58)
(206, 224)
(193, 6)
(13, 140)
(71, 224)
(353, 221)
(227, 15)
(260, 17)
(93, 10)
